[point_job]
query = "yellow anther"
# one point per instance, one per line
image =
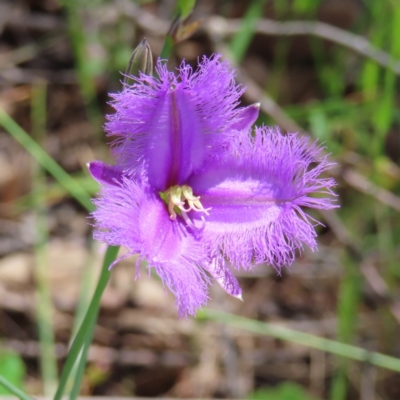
(193, 201)
(178, 196)
(188, 193)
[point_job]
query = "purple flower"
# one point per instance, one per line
(194, 189)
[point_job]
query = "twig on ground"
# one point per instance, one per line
(357, 43)
(18, 19)
(24, 75)
(358, 181)
(221, 28)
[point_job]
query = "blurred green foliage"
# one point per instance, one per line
(13, 369)
(284, 391)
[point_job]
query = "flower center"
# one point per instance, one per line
(180, 200)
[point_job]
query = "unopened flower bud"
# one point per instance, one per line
(141, 61)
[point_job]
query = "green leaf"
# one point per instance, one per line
(185, 7)
(242, 38)
(47, 162)
(13, 369)
(284, 391)
(305, 6)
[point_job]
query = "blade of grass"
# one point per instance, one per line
(13, 389)
(45, 160)
(372, 73)
(242, 38)
(86, 330)
(86, 291)
(52, 193)
(308, 7)
(81, 363)
(349, 296)
(329, 72)
(183, 8)
(386, 243)
(83, 66)
(48, 363)
(384, 111)
(304, 339)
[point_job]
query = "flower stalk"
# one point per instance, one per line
(86, 330)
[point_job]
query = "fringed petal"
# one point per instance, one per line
(129, 216)
(105, 174)
(246, 117)
(168, 126)
(221, 272)
(255, 195)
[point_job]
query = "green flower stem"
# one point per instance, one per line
(167, 48)
(86, 330)
(304, 339)
(13, 389)
(86, 292)
(82, 364)
(45, 160)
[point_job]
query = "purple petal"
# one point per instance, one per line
(246, 117)
(220, 271)
(168, 126)
(105, 174)
(129, 216)
(255, 197)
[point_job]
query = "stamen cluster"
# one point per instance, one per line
(179, 196)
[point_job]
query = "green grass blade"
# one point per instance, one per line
(45, 160)
(387, 247)
(48, 363)
(86, 291)
(185, 7)
(167, 48)
(84, 333)
(52, 193)
(371, 70)
(383, 115)
(349, 296)
(241, 40)
(13, 389)
(308, 7)
(304, 339)
(83, 64)
(81, 364)
(182, 10)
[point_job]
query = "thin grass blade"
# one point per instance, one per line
(86, 330)
(304, 339)
(13, 389)
(47, 162)
(48, 363)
